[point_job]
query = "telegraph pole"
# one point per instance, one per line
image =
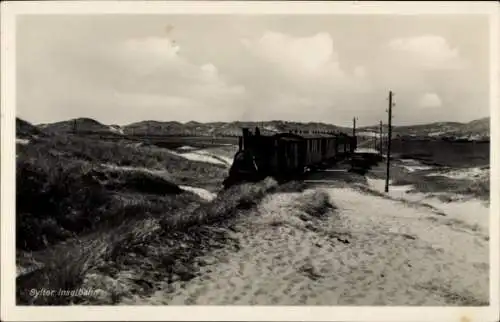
(354, 126)
(381, 136)
(389, 137)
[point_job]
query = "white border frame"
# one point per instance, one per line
(11, 312)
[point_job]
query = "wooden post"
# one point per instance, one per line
(381, 137)
(389, 137)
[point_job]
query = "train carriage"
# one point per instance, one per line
(286, 154)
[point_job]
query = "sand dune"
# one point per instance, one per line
(203, 193)
(467, 173)
(470, 211)
(369, 251)
(204, 156)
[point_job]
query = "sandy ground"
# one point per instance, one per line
(366, 150)
(413, 165)
(22, 141)
(469, 211)
(203, 193)
(369, 251)
(469, 173)
(204, 155)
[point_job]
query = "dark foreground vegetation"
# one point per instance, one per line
(155, 243)
(88, 209)
(70, 185)
(435, 181)
(436, 184)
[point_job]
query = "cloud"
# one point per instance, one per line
(307, 68)
(430, 100)
(148, 74)
(303, 59)
(308, 56)
(301, 76)
(157, 67)
(151, 47)
(428, 51)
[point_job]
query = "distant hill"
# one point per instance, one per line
(221, 128)
(83, 125)
(26, 130)
(478, 127)
(472, 130)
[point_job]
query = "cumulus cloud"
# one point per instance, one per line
(428, 51)
(157, 66)
(308, 56)
(430, 100)
(303, 75)
(149, 74)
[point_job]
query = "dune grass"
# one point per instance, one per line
(76, 197)
(478, 188)
(66, 184)
(60, 198)
(122, 153)
(153, 247)
(88, 207)
(316, 203)
(436, 183)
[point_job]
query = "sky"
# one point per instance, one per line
(120, 69)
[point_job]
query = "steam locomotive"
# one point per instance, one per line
(285, 155)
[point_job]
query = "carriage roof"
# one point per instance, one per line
(294, 136)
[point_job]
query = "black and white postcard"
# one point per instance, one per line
(253, 161)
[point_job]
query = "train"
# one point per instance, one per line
(287, 154)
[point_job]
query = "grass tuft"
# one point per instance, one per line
(316, 203)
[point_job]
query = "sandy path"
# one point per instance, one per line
(469, 211)
(370, 251)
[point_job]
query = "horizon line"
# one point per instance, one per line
(248, 121)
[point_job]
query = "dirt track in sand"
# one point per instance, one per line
(369, 251)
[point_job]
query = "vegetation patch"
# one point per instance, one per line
(159, 245)
(479, 188)
(315, 204)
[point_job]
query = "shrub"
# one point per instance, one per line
(54, 200)
(59, 198)
(315, 204)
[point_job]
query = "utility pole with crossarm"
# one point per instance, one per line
(389, 137)
(381, 138)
